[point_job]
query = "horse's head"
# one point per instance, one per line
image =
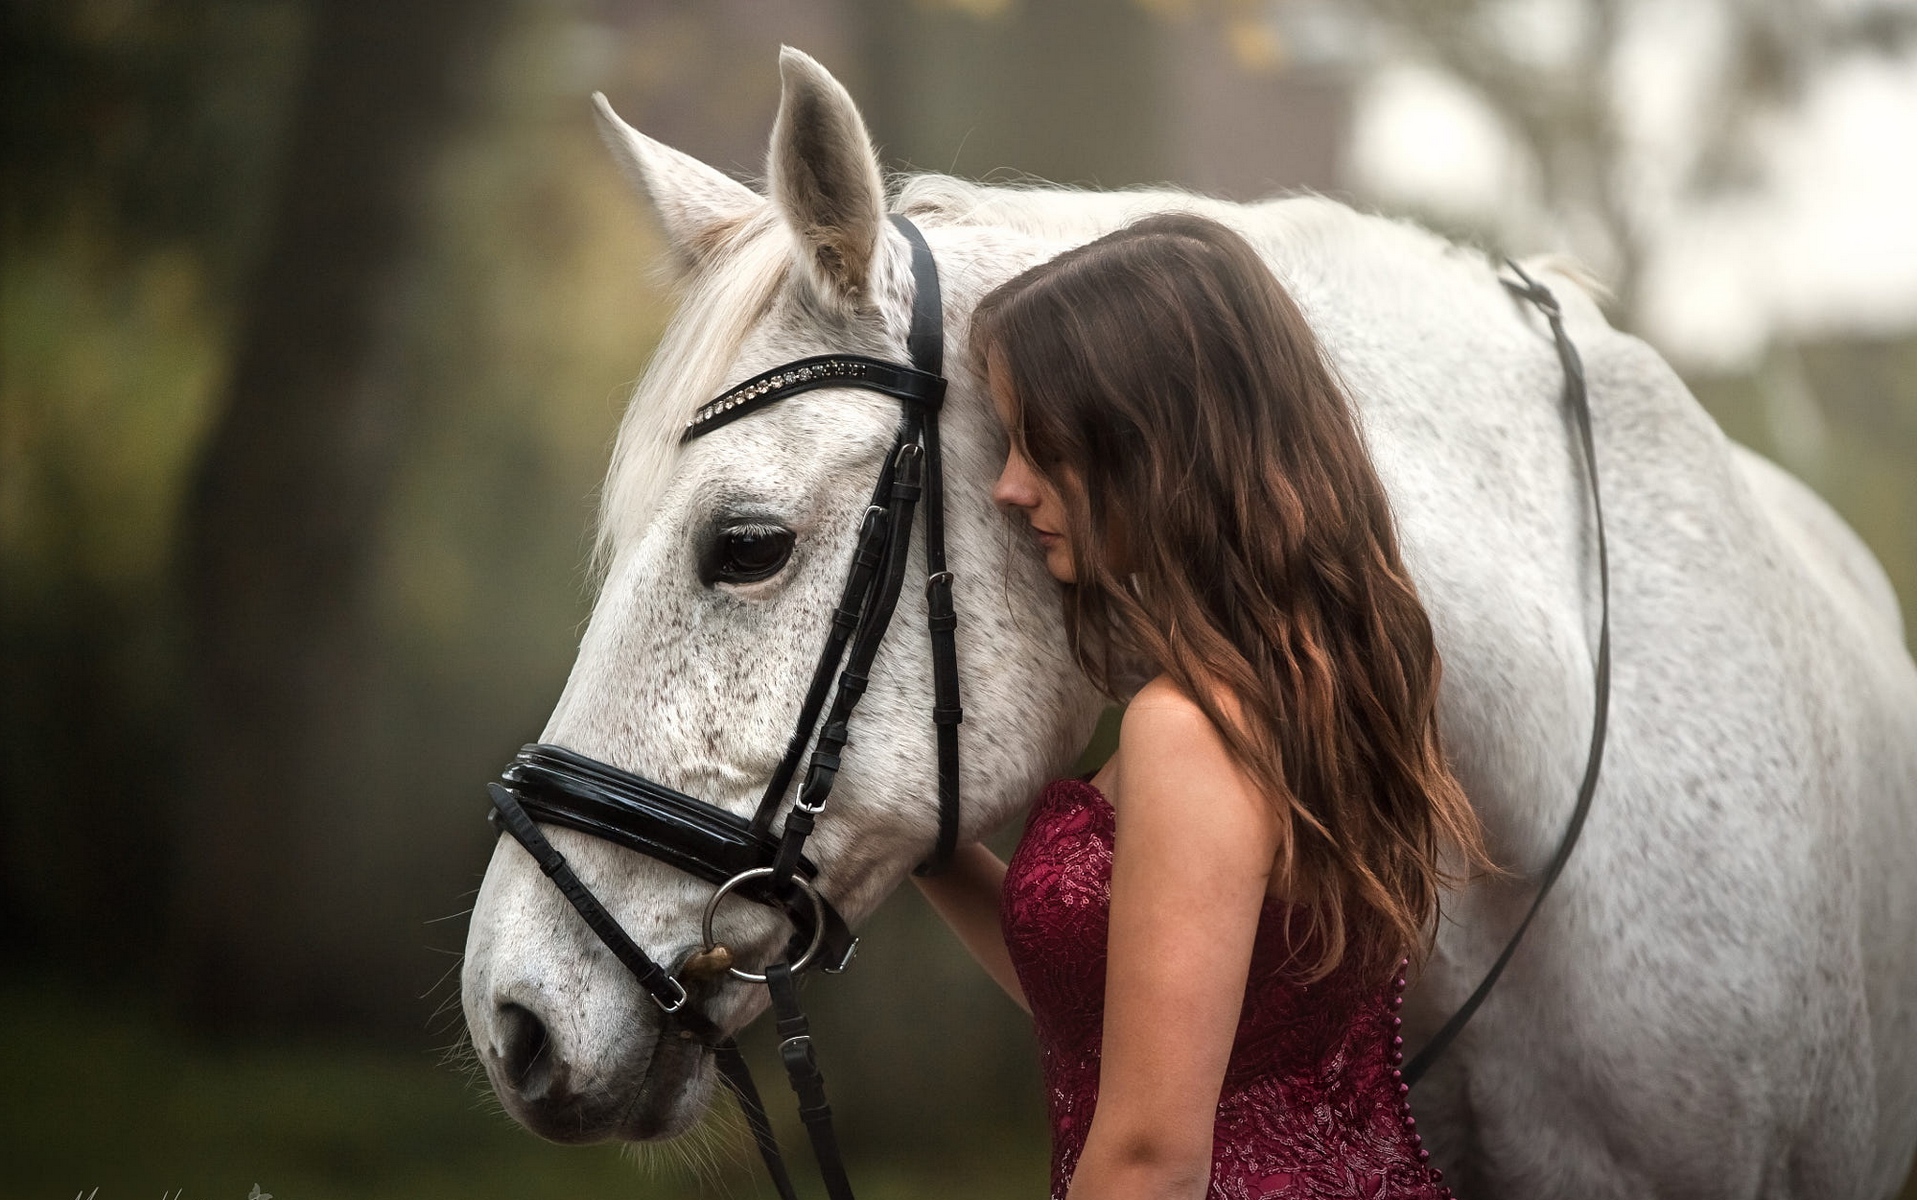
(723, 560)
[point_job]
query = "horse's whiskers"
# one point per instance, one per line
(703, 1156)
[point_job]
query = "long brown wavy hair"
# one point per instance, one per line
(1228, 529)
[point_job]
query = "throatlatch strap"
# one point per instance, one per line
(926, 342)
(1537, 293)
(926, 336)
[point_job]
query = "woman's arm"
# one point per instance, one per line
(967, 897)
(1194, 844)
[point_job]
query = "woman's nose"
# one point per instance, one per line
(1016, 487)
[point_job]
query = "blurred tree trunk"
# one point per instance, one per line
(284, 527)
(1073, 91)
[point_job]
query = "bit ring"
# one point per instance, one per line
(819, 921)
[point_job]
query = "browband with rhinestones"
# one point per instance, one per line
(903, 383)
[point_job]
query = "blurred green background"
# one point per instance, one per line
(316, 317)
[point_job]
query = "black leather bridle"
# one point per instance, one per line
(556, 786)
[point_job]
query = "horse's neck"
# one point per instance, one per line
(1313, 243)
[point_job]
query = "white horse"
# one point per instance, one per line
(1716, 1002)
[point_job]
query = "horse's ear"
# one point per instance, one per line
(826, 178)
(699, 207)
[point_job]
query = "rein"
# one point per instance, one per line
(547, 784)
(1537, 294)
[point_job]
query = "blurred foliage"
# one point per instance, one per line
(105, 393)
(148, 123)
(108, 377)
(1556, 77)
(530, 314)
(955, 88)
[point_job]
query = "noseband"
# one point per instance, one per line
(552, 785)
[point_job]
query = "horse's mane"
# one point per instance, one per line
(1292, 228)
(1037, 208)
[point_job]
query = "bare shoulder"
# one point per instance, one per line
(1161, 721)
(1172, 756)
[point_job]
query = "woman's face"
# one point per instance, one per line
(1022, 488)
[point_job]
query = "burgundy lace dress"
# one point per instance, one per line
(1312, 1105)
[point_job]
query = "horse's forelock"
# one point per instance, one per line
(720, 306)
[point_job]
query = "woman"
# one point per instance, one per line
(1212, 932)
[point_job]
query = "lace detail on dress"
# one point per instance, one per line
(1312, 1104)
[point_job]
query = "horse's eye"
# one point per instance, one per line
(746, 554)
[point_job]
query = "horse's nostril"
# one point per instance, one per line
(526, 1053)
